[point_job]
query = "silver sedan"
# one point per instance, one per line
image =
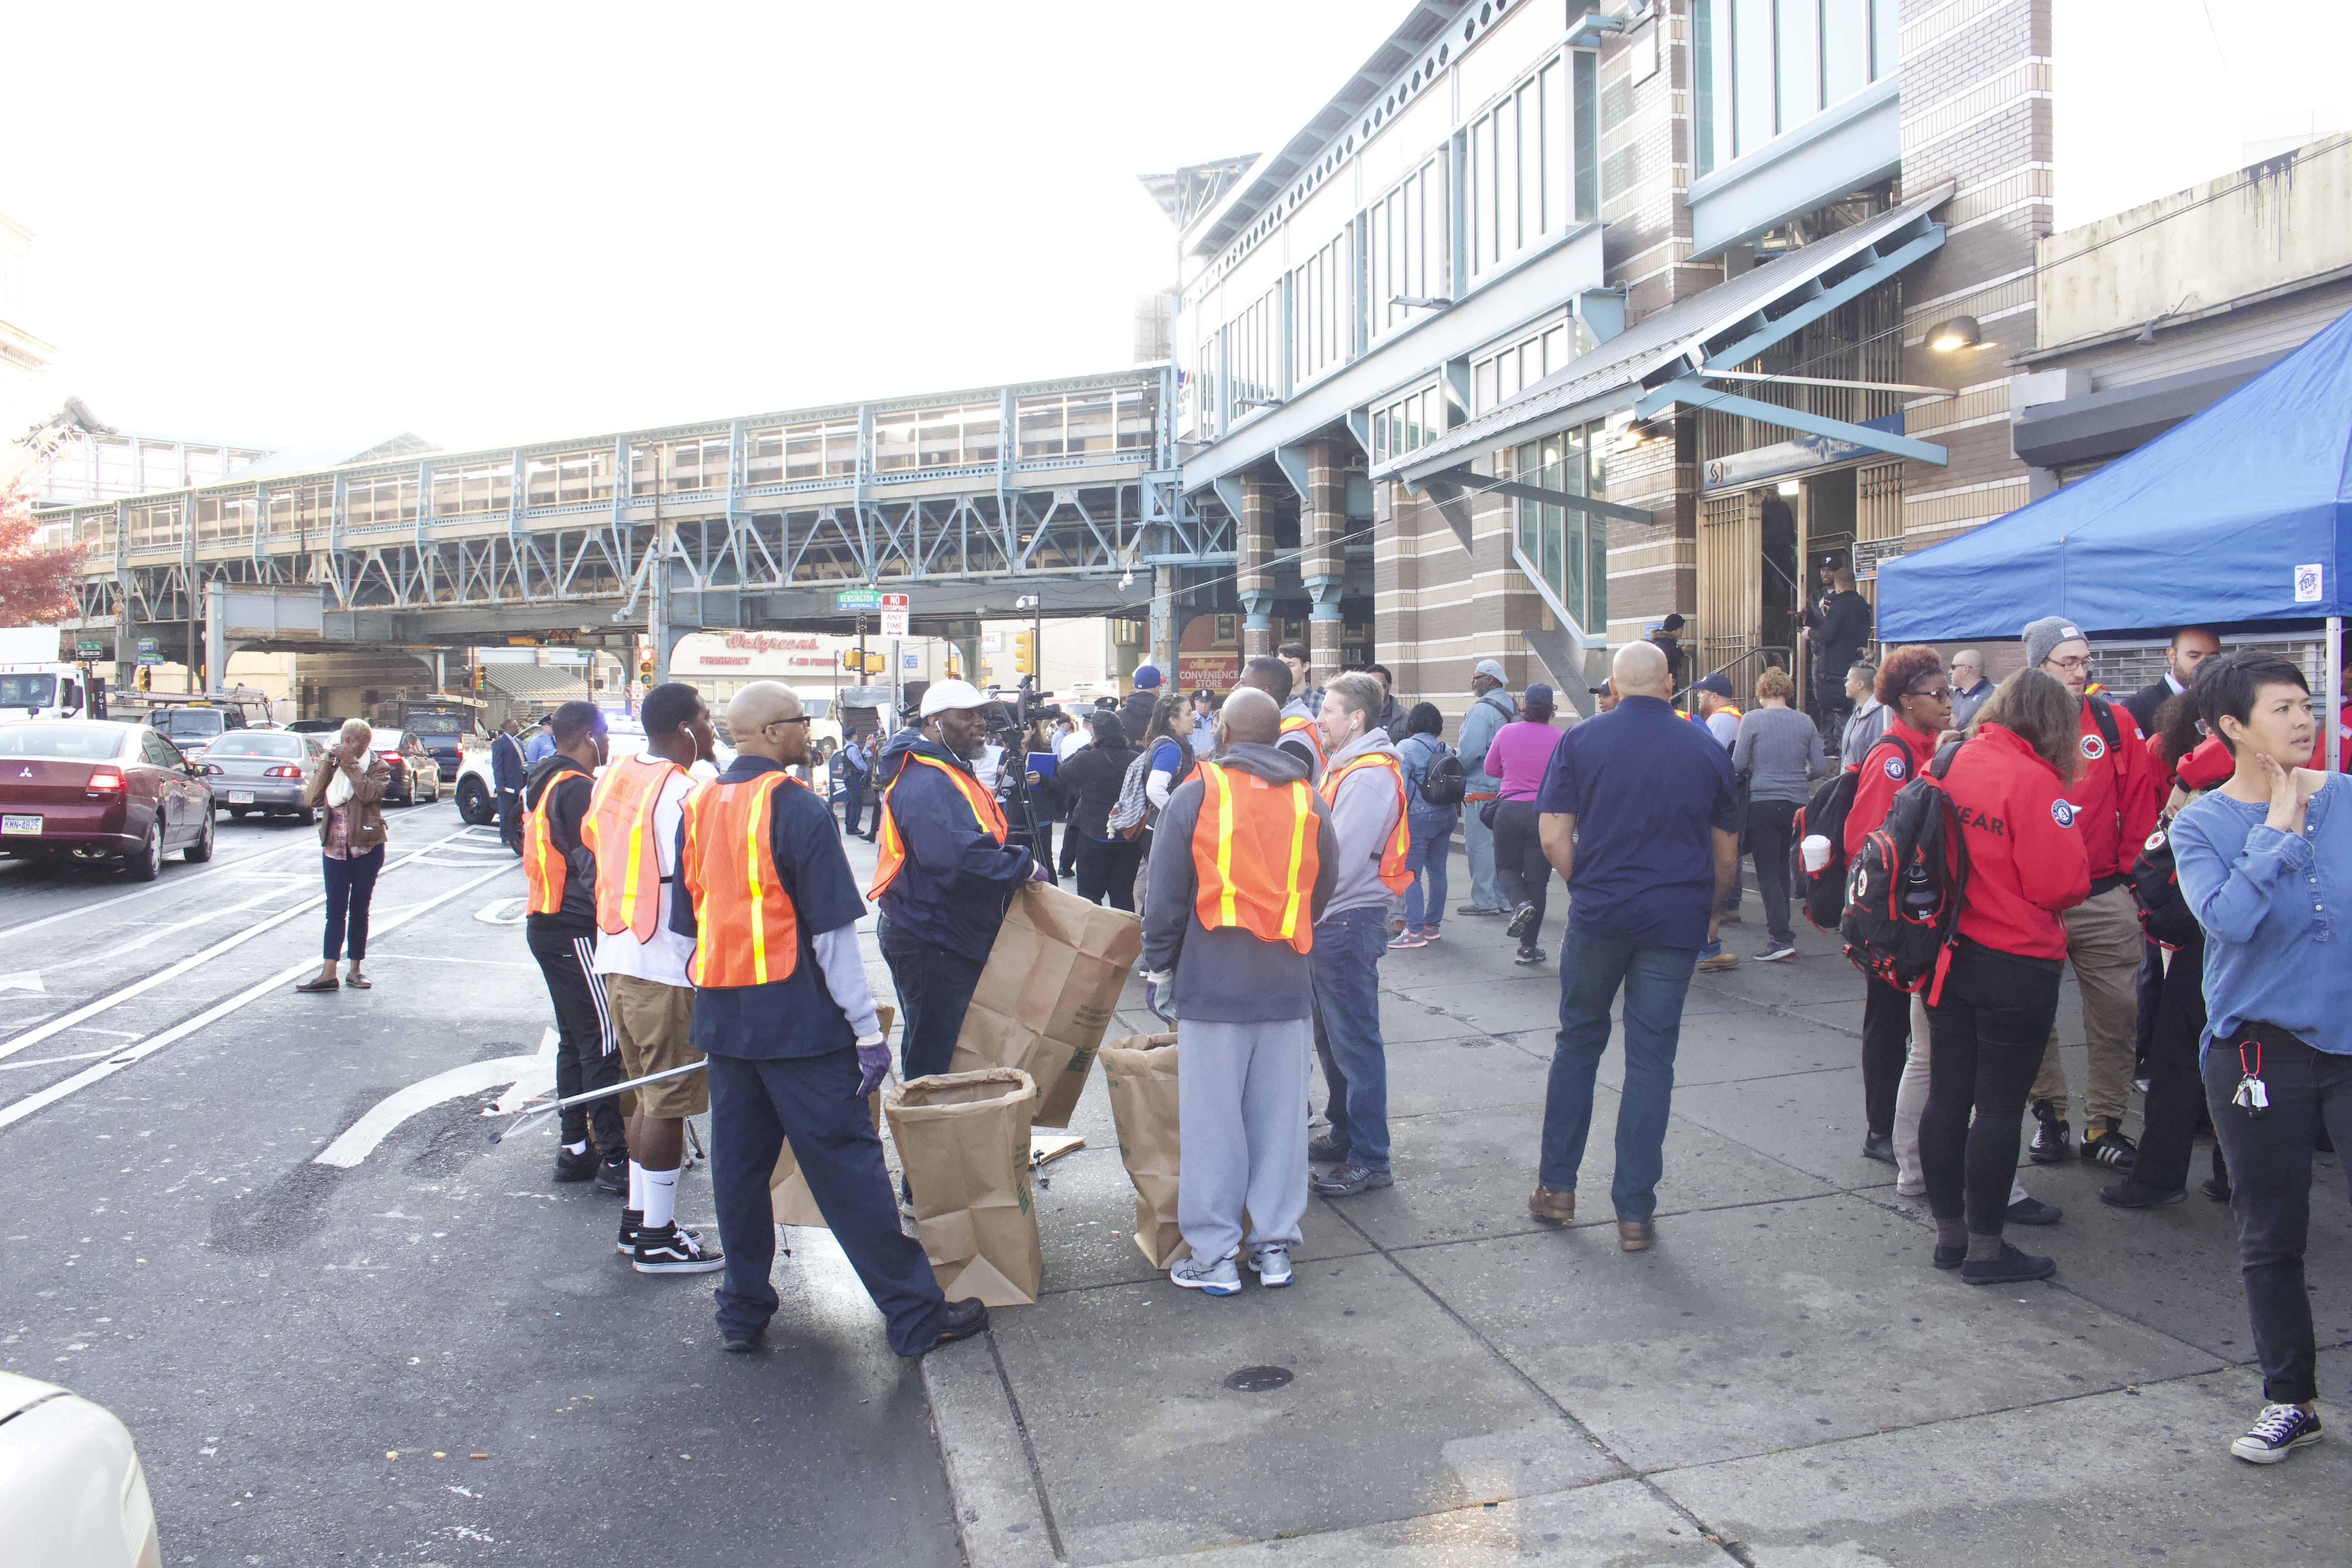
(261, 772)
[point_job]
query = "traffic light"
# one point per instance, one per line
(849, 661)
(646, 672)
(876, 664)
(146, 679)
(1024, 652)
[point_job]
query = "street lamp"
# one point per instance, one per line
(1960, 333)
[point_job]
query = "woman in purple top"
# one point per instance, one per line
(1520, 753)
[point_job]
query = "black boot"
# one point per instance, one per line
(2051, 1139)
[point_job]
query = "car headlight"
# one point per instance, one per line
(139, 1538)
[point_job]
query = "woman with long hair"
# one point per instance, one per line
(1517, 757)
(1091, 780)
(1990, 1012)
(1429, 828)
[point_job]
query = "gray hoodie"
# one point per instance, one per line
(1363, 817)
(1228, 976)
(1487, 715)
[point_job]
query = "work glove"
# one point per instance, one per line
(874, 1057)
(1040, 871)
(1158, 986)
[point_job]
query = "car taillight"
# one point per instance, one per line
(213, 768)
(393, 757)
(105, 779)
(281, 772)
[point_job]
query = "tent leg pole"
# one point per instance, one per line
(2331, 718)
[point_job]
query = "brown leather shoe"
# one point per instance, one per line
(1635, 1235)
(1547, 1204)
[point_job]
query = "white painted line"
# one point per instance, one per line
(52, 1061)
(505, 912)
(16, 1111)
(28, 980)
(174, 886)
(360, 1138)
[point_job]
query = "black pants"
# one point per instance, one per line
(2176, 1089)
(1042, 849)
(1069, 865)
(1885, 1042)
(510, 819)
(1522, 875)
(1986, 1034)
(587, 1055)
(812, 1101)
(1831, 706)
(1769, 825)
(1107, 870)
(934, 986)
(350, 884)
(2270, 1168)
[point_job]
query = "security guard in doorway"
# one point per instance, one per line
(782, 1010)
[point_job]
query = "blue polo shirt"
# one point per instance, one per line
(795, 1016)
(1645, 787)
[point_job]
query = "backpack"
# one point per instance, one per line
(1132, 813)
(1823, 892)
(2164, 912)
(1443, 782)
(1906, 883)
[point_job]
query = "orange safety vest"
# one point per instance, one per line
(544, 869)
(985, 811)
(729, 869)
(619, 830)
(1393, 871)
(1244, 832)
(1292, 725)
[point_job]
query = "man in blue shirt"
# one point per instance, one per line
(796, 1056)
(1639, 815)
(542, 744)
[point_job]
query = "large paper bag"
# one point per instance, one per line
(1047, 994)
(1139, 1072)
(963, 1138)
(789, 1198)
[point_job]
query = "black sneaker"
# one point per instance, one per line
(2051, 1139)
(1527, 955)
(612, 1176)
(741, 1340)
(1324, 1152)
(1879, 1146)
(1521, 919)
(2031, 1210)
(2277, 1432)
(1949, 1256)
(631, 1220)
(670, 1250)
(2217, 1189)
(2129, 1194)
(2011, 1267)
(1775, 950)
(2106, 1145)
(579, 1167)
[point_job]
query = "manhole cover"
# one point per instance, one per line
(1258, 1379)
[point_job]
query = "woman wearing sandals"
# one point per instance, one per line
(348, 790)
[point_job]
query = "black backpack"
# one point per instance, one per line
(1823, 892)
(2164, 912)
(1443, 782)
(1906, 883)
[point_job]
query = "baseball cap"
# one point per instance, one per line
(1147, 676)
(1492, 671)
(1716, 683)
(946, 694)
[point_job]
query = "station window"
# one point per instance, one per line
(687, 466)
(1404, 247)
(306, 509)
(224, 518)
(1520, 155)
(1083, 424)
(1408, 423)
(1566, 548)
(389, 499)
(1254, 354)
(1322, 306)
(1761, 68)
(156, 524)
(476, 486)
(1499, 377)
(568, 479)
(816, 451)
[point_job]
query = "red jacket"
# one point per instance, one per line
(1885, 770)
(2118, 796)
(2026, 858)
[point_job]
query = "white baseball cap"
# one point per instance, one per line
(946, 694)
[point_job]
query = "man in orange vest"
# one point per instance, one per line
(944, 872)
(634, 818)
(1364, 788)
(1230, 926)
(1299, 737)
(794, 1044)
(560, 872)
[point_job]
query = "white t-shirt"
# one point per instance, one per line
(986, 765)
(663, 959)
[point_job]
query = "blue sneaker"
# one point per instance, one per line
(1218, 1279)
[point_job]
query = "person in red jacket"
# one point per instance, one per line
(2116, 798)
(1918, 695)
(1992, 1009)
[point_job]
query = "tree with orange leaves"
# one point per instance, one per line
(37, 582)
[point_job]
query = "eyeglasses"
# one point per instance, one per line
(1940, 694)
(797, 718)
(2071, 666)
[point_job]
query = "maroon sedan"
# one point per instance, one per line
(93, 789)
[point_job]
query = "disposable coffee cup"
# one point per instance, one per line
(1817, 852)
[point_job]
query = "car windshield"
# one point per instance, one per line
(190, 724)
(27, 690)
(79, 743)
(384, 740)
(250, 743)
(436, 723)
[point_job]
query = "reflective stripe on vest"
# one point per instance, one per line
(1392, 853)
(1294, 725)
(893, 854)
(729, 869)
(619, 830)
(1244, 831)
(545, 870)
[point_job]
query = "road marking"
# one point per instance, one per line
(496, 913)
(173, 972)
(28, 980)
(360, 1138)
(52, 1061)
(174, 886)
(16, 1111)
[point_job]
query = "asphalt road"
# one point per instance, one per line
(273, 1330)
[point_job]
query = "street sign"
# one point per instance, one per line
(147, 654)
(912, 661)
(857, 599)
(1869, 554)
(89, 648)
(894, 615)
(862, 697)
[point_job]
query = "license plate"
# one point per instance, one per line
(20, 825)
(240, 797)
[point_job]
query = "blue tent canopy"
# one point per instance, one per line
(2235, 516)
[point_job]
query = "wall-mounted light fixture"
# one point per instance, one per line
(1960, 333)
(1420, 301)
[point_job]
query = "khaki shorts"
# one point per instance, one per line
(650, 1019)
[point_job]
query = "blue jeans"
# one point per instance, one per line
(1425, 857)
(1347, 958)
(1655, 979)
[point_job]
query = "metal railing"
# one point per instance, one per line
(1771, 656)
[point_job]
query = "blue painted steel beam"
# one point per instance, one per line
(1470, 480)
(1292, 460)
(1691, 393)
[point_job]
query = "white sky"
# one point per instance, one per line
(290, 224)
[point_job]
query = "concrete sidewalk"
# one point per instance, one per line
(1782, 1380)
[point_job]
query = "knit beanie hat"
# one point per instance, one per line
(2046, 634)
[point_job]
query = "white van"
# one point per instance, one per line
(34, 682)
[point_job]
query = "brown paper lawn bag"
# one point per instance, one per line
(963, 1138)
(1047, 994)
(789, 1198)
(1139, 1072)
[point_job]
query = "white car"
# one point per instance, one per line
(72, 1490)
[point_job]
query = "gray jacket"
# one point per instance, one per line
(1488, 715)
(1363, 816)
(1869, 722)
(1228, 976)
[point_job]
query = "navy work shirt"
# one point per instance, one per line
(795, 1016)
(957, 881)
(1646, 786)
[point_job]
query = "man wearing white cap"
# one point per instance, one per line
(1491, 709)
(945, 873)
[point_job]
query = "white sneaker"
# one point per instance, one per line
(1272, 1265)
(1218, 1279)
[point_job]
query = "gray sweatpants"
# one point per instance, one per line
(1241, 1092)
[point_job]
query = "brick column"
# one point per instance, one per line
(1323, 565)
(1253, 584)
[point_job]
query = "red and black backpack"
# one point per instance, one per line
(1905, 884)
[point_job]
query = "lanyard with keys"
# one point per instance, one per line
(2252, 1094)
